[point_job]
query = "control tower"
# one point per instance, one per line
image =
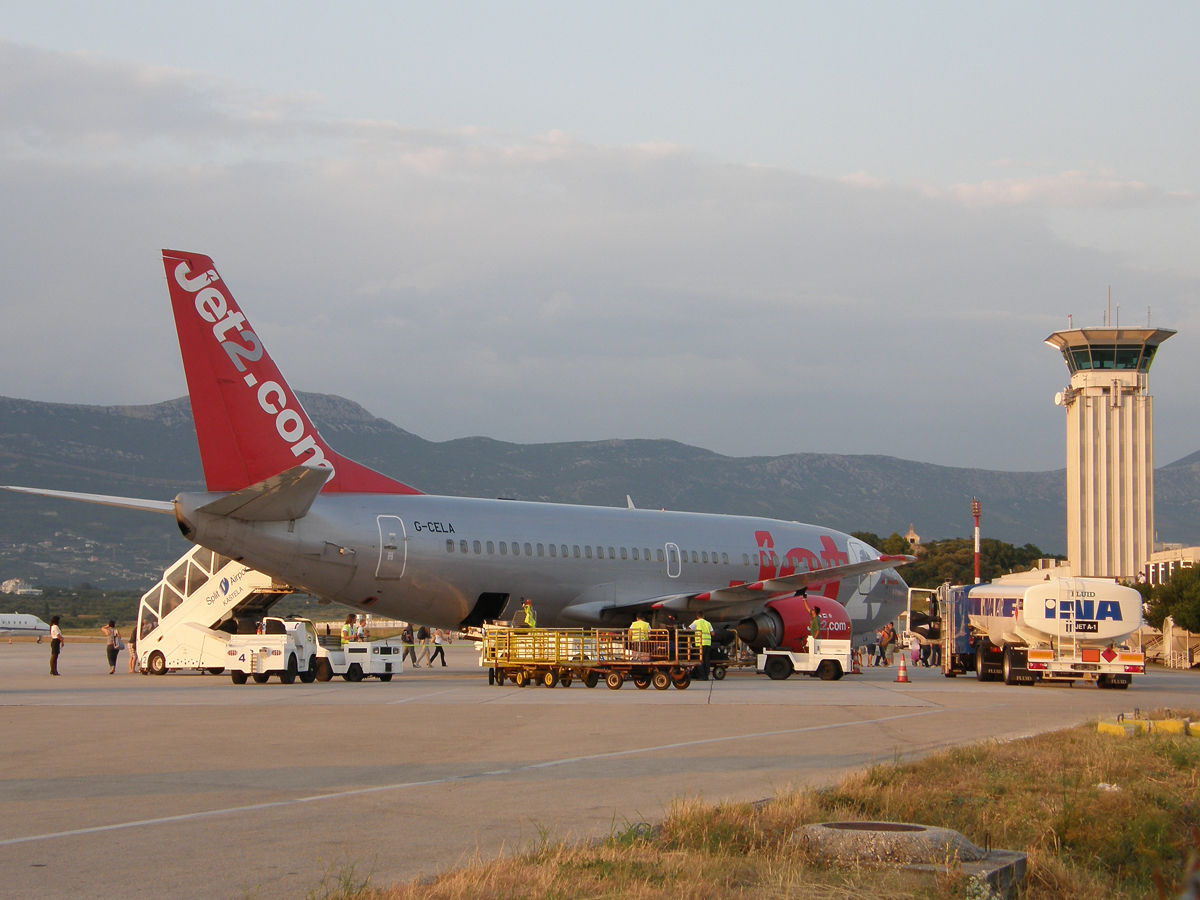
(1110, 447)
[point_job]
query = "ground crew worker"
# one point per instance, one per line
(704, 638)
(639, 633)
(814, 627)
(526, 618)
(349, 629)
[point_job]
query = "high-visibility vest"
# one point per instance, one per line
(530, 617)
(703, 632)
(347, 633)
(639, 631)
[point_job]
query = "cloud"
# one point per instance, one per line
(1066, 189)
(530, 287)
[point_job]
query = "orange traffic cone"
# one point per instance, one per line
(902, 675)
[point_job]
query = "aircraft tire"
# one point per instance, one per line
(156, 664)
(288, 675)
(238, 676)
(614, 680)
(718, 673)
(261, 677)
(309, 675)
(591, 679)
(661, 680)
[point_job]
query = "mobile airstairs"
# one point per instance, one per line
(185, 621)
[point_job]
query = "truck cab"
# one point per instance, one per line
(285, 647)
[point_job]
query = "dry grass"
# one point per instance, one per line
(1039, 795)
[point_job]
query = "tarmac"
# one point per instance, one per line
(187, 786)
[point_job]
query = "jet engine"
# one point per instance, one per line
(783, 624)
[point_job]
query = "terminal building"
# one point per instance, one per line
(1110, 448)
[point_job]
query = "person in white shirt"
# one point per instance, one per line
(56, 642)
(438, 649)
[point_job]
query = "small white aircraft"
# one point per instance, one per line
(14, 624)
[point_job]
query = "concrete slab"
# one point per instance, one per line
(188, 786)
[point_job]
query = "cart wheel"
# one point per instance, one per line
(550, 678)
(682, 683)
(641, 682)
(385, 677)
(310, 674)
(779, 668)
(491, 676)
(215, 670)
(288, 675)
(591, 679)
(354, 673)
(324, 670)
(661, 680)
(520, 678)
(500, 677)
(829, 670)
(238, 676)
(260, 677)
(157, 664)
(614, 680)
(718, 673)
(565, 679)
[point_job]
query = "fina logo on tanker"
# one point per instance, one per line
(213, 308)
(1083, 609)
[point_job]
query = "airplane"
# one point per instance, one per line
(280, 500)
(17, 624)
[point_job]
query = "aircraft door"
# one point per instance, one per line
(673, 564)
(393, 548)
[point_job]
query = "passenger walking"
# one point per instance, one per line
(113, 644)
(703, 630)
(56, 642)
(349, 629)
(880, 646)
(872, 643)
(410, 646)
(438, 649)
(423, 637)
(914, 649)
(935, 654)
(133, 649)
(889, 643)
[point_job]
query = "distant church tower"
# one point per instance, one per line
(1110, 447)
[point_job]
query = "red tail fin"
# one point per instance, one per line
(249, 423)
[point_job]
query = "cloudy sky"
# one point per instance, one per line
(759, 228)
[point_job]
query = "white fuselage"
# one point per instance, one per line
(19, 623)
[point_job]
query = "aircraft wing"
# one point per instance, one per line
(158, 506)
(741, 593)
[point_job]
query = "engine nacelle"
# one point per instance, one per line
(783, 624)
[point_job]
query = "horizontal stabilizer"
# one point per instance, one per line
(158, 506)
(288, 495)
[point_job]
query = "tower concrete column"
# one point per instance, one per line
(1110, 447)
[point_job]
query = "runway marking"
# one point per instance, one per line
(421, 697)
(531, 767)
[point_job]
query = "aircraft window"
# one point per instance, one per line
(529, 551)
(553, 550)
(612, 554)
(542, 550)
(704, 556)
(725, 559)
(745, 560)
(635, 553)
(672, 556)
(587, 550)
(516, 549)
(660, 555)
(623, 556)
(491, 547)
(462, 546)
(563, 551)
(477, 547)
(774, 559)
(694, 558)
(503, 549)
(449, 545)
(576, 549)
(648, 554)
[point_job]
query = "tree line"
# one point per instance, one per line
(953, 560)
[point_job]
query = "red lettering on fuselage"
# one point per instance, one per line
(766, 554)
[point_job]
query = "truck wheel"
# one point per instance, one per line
(661, 680)
(385, 677)
(550, 678)
(682, 682)
(520, 678)
(157, 664)
(591, 679)
(215, 670)
(614, 680)
(261, 677)
(829, 670)
(778, 668)
(641, 682)
(980, 671)
(288, 675)
(324, 670)
(565, 678)
(718, 673)
(309, 675)
(238, 676)
(1010, 666)
(354, 673)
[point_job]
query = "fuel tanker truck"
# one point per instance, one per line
(1022, 631)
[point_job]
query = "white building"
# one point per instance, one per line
(1110, 447)
(17, 586)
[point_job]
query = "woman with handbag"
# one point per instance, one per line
(114, 644)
